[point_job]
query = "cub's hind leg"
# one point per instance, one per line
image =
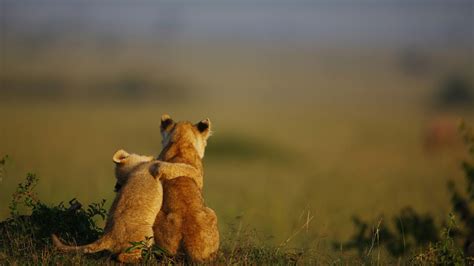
(201, 235)
(130, 257)
(167, 231)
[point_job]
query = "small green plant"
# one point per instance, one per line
(24, 195)
(445, 251)
(32, 222)
(149, 252)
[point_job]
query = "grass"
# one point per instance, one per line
(25, 234)
(30, 234)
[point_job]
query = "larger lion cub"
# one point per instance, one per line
(184, 222)
(136, 205)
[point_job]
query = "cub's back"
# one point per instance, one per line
(141, 197)
(181, 194)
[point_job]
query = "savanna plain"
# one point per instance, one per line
(286, 168)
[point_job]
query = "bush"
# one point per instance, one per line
(410, 230)
(443, 252)
(22, 233)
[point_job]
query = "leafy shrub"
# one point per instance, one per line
(463, 202)
(73, 223)
(443, 252)
(410, 230)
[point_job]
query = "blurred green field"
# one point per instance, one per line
(319, 133)
(267, 168)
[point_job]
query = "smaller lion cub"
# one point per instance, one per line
(136, 204)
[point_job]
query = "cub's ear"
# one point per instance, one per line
(166, 121)
(119, 156)
(204, 125)
(155, 170)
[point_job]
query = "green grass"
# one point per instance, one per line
(30, 233)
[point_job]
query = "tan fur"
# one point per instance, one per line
(184, 222)
(136, 205)
(162, 170)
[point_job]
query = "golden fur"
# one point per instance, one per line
(184, 222)
(136, 204)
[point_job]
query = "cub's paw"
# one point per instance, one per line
(130, 257)
(156, 169)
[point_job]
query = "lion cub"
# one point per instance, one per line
(136, 204)
(184, 221)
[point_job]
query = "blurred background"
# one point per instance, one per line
(320, 109)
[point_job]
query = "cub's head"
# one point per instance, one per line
(185, 133)
(125, 163)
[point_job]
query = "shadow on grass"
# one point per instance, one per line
(233, 146)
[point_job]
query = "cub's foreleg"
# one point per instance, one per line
(165, 170)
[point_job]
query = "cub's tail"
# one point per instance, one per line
(99, 245)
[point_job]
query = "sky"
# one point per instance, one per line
(366, 23)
